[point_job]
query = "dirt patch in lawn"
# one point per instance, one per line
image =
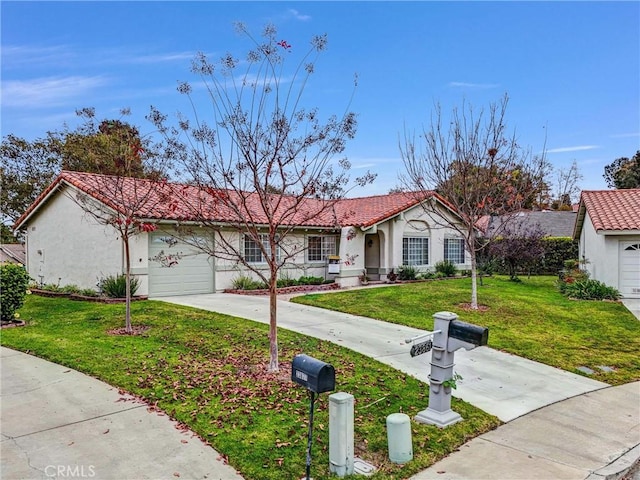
(135, 330)
(467, 308)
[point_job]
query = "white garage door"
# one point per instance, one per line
(630, 269)
(175, 268)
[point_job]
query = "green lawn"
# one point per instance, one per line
(208, 371)
(530, 319)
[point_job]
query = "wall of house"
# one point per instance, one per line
(387, 238)
(601, 253)
(227, 270)
(66, 246)
(599, 257)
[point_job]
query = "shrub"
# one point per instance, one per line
(311, 280)
(70, 289)
(286, 282)
(407, 272)
(115, 286)
(427, 276)
(14, 281)
(447, 268)
(588, 289)
(88, 292)
(556, 251)
(244, 282)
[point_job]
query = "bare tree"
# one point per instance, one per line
(476, 166)
(264, 163)
(567, 186)
(119, 199)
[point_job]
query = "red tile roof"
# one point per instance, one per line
(179, 202)
(610, 210)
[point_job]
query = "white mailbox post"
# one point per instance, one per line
(449, 335)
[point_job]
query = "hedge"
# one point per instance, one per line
(557, 250)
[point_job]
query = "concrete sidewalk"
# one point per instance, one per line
(504, 385)
(594, 436)
(59, 423)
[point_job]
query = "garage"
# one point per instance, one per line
(176, 268)
(630, 269)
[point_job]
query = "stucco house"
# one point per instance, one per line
(608, 231)
(66, 245)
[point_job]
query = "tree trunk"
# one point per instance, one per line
(127, 274)
(474, 280)
(273, 324)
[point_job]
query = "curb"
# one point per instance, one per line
(617, 469)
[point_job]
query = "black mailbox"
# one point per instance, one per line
(467, 332)
(313, 374)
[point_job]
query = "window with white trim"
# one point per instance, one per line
(320, 247)
(454, 250)
(415, 251)
(252, 251)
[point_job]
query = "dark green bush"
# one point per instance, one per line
(407, 272)
(556, 251)
(447, 268)
(286, 282)
(14, 281)
(587, 289)
(115, 286)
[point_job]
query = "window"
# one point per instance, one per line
(320, 247)
(454, 250)
(252, 252)
(415, 251)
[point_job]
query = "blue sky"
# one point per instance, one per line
(571, 69)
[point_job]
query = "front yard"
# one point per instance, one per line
(529, 319)
(208, 371)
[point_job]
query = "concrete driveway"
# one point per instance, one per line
(633, 305)
(504, 385)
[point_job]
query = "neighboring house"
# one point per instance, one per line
(66, 245)
(608, 232)
(12, 253)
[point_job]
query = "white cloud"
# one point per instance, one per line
(19, 55)
(160, 57)
(364, 165)
(578, 148)
(48, 91)
(299, 16)
(473, 85)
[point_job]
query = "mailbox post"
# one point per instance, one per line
(317, 377)
(450, 334)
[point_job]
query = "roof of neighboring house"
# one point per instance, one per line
(609, 210)
(179, 202)
(13, 253)
(552, 223)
